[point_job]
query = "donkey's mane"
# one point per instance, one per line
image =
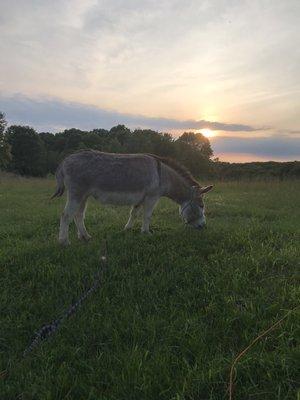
(179, 168)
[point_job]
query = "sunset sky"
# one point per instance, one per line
(229, 69)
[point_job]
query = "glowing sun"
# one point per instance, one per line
(207, 133)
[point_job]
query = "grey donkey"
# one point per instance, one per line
(138, 180)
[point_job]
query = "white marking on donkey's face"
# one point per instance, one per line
(192, 211)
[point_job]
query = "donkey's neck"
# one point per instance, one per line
(174, 186)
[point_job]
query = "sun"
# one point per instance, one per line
(207, 132)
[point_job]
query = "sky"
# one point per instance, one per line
(227, 68)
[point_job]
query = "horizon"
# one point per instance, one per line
(227, 69)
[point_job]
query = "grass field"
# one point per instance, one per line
(174, 309)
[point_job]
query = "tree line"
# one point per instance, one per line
(27, 152)
(256, 170)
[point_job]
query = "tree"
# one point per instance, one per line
(27, 150)
(194, 151)
(52, 158)
(198, 142)
(121, 133)
(149, 141)
(5, 155)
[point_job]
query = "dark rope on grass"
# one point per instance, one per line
(49, 329)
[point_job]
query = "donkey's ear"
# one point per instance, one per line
(206, 189)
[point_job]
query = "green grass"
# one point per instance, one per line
(174, 309)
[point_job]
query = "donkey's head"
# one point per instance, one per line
(192, 210)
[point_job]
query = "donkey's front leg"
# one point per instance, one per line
(149, 204)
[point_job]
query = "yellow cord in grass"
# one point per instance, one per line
(240, 355)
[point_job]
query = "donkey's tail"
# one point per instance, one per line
(60, 185)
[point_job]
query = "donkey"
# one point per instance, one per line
(139, 180)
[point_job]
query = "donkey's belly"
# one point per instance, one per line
(118, 198)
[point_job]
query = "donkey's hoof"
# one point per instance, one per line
(64, 242)
(84, 238)
(148, 232)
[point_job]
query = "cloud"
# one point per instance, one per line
(173, 58)
(273, 147)
(54, 115)
(289, 132)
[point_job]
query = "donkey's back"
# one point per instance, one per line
(95, 171)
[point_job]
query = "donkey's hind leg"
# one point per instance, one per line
(133, 213)
(79, 221)
(67, 216)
